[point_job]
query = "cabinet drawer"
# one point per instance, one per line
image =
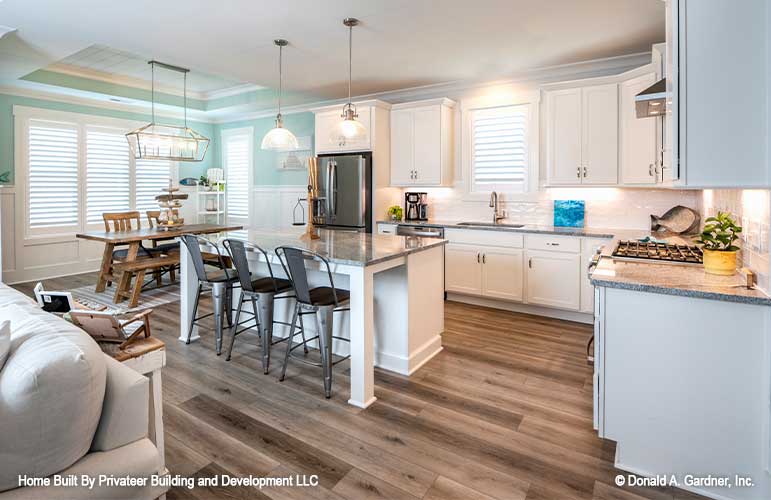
(386, 228)
(554, 243)
(491, 238)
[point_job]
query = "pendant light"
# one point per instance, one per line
(348, 129)
(167, 142)
(279, 138)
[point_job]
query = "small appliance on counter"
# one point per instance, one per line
(415, 206)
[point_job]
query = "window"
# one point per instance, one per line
(237, 159)
(108, 173)
(74, 167)
(52, 149)
(499, 147)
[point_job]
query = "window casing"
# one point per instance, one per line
(73, 167)
(237, 160)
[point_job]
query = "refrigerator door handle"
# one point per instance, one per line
(333, 190)
(328, 188)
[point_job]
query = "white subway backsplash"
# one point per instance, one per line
(752, 210)
(611, 208)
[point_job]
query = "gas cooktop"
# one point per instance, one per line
(660, 253)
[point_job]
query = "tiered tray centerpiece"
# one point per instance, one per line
(170, 202)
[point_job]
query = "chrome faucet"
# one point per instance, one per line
(497, 215)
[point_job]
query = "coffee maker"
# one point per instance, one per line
(416, 206)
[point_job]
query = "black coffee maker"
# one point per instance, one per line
(416, 206)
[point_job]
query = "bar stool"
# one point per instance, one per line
(262, 292)
(322, 301)
(219, 282)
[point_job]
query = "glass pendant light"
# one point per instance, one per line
(279, 138)
(167, 142)
(348, 129)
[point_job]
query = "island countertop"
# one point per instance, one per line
(346, 247)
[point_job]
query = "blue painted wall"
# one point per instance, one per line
(6, 131)
(266, 172)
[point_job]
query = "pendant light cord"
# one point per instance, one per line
(280, 76)
(152, 89)
(350, 57)
(184, 93)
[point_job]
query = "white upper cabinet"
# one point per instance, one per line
(720, 71)
(638, 136)
(582, 135)
(421, 143)
(327, 119)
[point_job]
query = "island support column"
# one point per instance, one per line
(188, 286)
(362, 330)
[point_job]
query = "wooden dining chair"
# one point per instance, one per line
(163, 246)
(124, 221)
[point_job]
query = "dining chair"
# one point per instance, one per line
(219, 282)
(163, 246)
(261, 291)
(123, 221)
(322, 301)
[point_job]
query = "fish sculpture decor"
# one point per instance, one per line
(679, 220)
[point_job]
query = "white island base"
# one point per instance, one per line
(395, 321)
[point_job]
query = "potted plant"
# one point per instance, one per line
(395, 213)
(203, 181)
(718, 239)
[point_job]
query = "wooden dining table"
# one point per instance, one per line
(134, 238)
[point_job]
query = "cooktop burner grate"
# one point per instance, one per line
(659, 252)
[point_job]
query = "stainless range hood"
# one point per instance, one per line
(652, 101)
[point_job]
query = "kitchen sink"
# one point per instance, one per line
(490, 224)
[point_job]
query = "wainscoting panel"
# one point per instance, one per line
(273, 208)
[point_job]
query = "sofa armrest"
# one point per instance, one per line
(125, 411)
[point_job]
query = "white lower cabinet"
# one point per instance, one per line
(463, 269)
(553, 279)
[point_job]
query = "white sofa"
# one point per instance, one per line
(67, 409)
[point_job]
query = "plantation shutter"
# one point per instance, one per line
(237, 164)
(53, 174)
(499, 147)
(108, 173)
(151, 177)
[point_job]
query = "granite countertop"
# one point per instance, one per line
(669, 279)
(526, 228)
(347, 247)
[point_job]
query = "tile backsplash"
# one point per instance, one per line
(752, 210)
(611, 208)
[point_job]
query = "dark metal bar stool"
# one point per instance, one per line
(261, 291)
(220, 282)
(322, 301)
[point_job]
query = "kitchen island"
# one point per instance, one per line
(396, 313)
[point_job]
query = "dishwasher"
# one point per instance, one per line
(424, 231)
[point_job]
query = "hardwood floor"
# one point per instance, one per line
(503, 412)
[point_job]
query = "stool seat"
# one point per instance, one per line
(219, 276)
(266, 285)
(324, 296)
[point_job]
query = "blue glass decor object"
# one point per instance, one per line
(569, 213)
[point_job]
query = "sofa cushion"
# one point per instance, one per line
(5, 341)
(51, 391)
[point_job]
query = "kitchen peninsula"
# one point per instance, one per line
(398, 331)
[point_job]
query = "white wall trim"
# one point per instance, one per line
(224, 136)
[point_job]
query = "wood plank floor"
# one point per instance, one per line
(503, 412)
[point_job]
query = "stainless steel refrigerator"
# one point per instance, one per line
(344, 192)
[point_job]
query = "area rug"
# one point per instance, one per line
(155, 297)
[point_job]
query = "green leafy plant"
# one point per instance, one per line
(203, 180)
(720, 233)
(395, 212)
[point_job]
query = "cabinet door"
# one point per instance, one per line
(563, 136)
(402, 159)
(553, 279)
(463, 269)
(324, 123)
(599, 134)
(502, 273)
(638, 135)
(427, 145)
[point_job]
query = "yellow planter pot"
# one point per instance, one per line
(722, 263)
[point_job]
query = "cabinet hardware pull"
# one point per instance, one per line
(585, 170)
(484, 258)
(530, 262)
(578, 171)
(478, 261)
(650, 169)
(553, 244)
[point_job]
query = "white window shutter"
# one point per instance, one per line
(152, 176)
(238, 161)
(108, 173)
(52, 174)
(499, 148)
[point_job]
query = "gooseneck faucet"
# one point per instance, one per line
(497, 215)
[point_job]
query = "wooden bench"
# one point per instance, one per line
(137, 269)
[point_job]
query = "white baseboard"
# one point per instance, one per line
(408, 365)
(522, 308)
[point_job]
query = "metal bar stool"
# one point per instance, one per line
(322, 301)
(219, 282)
(261, 292)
